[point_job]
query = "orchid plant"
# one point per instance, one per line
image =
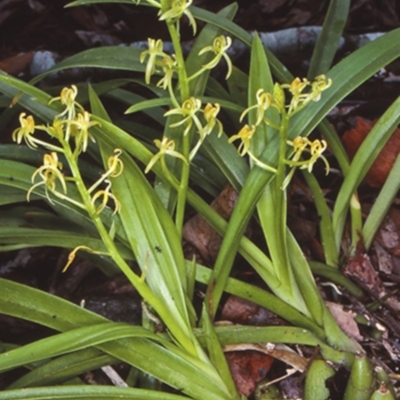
(134, 225)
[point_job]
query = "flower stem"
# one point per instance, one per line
(184, 94)
(280, 206)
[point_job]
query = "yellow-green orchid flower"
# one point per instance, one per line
(315, 148)
(168, 65)
(165, 147)
(300, 145)
(67, 98)
(300, 96)
(245, 135)
(115, 168)
(219, 47)
(154, 51)
(72, 255)
(176, 10)
(188, 110)
(319, 84)
(50, 173)
(25, 131)
(264, 101)
(210, 113)
(105, 195)
(81, 134)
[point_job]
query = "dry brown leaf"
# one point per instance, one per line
(276, 350)
(388, 234)
(384, 259)
(200, 234)
(238, 310)
(16, 64)
(345, 319)
(382, 165)
(248, 368)
(241, 311)
(361, 270)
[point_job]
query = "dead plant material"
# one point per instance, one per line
(382, 165)
(248, 368)
(201, 235)
(360, 269)
(17, 64)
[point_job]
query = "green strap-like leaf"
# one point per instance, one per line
(146, 104)
(72, 340)
(56, 238)
(64, 368)
(110, 57)
(328, 41)
(168, 364)
(88, 392)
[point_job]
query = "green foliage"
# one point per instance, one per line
(110, 209)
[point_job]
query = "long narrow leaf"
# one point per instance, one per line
(329, 38)
(73, 340)
(89, 392)
(170, 365)
(110, 57)
(63, 368)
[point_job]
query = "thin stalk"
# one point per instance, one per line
(184, 94)
(279, 255)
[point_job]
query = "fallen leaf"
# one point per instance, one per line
(379, 171)
(360, 269)
(247, 369)
(278, 351)
(201, 235)
(16, 64)
(244, 312)
(345, 319)
(388, 234)
(384, 259)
